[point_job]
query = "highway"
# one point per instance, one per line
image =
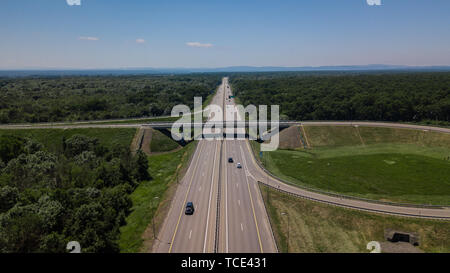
(240, 223)
(244, 224)
(195, 233)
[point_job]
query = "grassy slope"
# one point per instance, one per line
(52, 138)
(388, 176)
(162, 143)
(316, 227)
(390, 164)
(319, 136)
(163, 170)
(332, 136)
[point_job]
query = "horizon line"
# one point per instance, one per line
(222, 67)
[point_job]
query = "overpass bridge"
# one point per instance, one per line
(261, 130)
(287, 123)
(264, 130)
(223, 124)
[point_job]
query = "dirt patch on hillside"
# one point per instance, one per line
(290, 138)
(137, 141)
(146, 139)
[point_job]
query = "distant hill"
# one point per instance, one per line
(231, 69)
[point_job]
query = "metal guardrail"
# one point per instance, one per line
(270, 219)
(346, 196)
(352, 207)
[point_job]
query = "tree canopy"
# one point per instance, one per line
(413, 97)
(80, 194)
(49, 99)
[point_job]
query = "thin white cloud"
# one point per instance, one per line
(73, 2)
(140, 41)
(197, 44)
(88, 38)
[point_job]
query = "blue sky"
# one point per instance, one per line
(210, 33)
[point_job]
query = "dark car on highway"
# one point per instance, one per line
(230, 160)
(189, 208)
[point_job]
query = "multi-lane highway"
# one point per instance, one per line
(197, 232)
(193, 233)
(229, 211)
(244, 224)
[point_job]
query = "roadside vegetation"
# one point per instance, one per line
(151, 199)
(66, 185)
(317, 227)
(162, 143)
(52, 139)
(54, 99)
(398, 165)
(408, 97)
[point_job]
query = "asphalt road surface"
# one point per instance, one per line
(244, 224)
(240, 224)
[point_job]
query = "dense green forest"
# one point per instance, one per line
(79, 192)
(49, 99)
(411, 97)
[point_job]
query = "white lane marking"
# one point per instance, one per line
(237, 185)
(226, 204)
(210, 196)
(200, 189)
(239, 202)
(199, 149)
(242, 227)
(249, 174)
(190, 234)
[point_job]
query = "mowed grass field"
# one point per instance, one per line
(52, 139)
(332, 136)
(317, 227)
(398, 165)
